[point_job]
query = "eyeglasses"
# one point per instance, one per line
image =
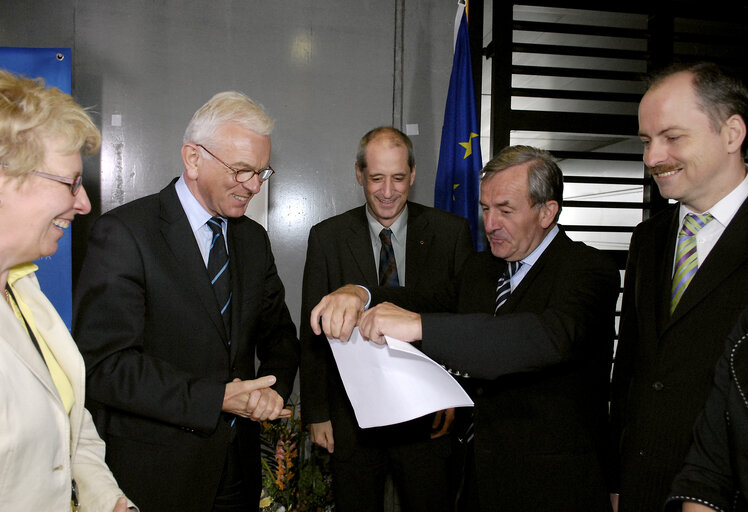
(243, 175)
(73, 183)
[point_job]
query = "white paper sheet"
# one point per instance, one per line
(393, 383)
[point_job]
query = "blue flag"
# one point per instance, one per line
(54, 65)
(457, 186)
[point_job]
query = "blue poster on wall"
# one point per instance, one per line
(54, 66)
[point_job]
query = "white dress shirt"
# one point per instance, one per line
(722, 214)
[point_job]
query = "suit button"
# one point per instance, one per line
(658, 386)
(642, 453)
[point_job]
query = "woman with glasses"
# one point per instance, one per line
(51, 457)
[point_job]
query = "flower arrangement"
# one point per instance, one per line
(295, 477)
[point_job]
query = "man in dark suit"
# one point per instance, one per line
(429, 246)
(170, 355)
(539, 360)
(692, 124)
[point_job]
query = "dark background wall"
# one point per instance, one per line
(326, 70)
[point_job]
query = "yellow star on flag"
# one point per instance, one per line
(454, 187)
(468, 145)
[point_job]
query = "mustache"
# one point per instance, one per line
(659, 169)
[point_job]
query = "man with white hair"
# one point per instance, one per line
(178, 294)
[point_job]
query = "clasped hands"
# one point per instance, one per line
(254, 399)
(340, 311)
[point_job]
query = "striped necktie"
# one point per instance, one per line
(686, 259)
(219, 273)
(504, 286)
(387, 264)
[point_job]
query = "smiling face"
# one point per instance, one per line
(212, 184)
(386, 179)
(35, 211)
(690, 161)
(514, 226)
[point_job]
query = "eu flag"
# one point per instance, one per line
(458, 172)
(54, 66)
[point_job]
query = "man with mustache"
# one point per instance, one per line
(686, 276)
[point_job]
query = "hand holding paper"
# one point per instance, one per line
(337, 313)
(386, 319)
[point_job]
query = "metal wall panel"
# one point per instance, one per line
(323, 69)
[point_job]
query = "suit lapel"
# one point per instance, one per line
(15, 336)
(417, 246)
(237, 252)
(730, 252)
(179, 237)
(657, 274)
(50, 327)
(359, 244)
(59, 341)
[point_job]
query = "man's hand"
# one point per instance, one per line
(388, 319)
(254, 399)
(321, 435)
(614, 501)
(442, 424)
(337, 313)
(266, 404)
(121, 505)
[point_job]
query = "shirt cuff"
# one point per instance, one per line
(368, 302)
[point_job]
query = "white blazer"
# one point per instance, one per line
(41, 447)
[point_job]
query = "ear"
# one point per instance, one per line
(735, 132)
(413, 175)
(359, 175)
(548, 214)
(191, 158)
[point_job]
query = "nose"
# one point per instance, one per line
(82, 204)
(654, 154)
(387, 188)
(253, 184)
(491, 221)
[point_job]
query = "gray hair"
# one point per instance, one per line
(546, 181)
(227, 107)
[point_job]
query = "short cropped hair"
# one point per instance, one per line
(29, 111)
(394, 136)
(720, 95)
(227, 107)
(546, 181)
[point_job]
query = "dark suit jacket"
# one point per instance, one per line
(664, 365)
(540, 372)
(156, 351)
(340, 252)
(715, 472)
